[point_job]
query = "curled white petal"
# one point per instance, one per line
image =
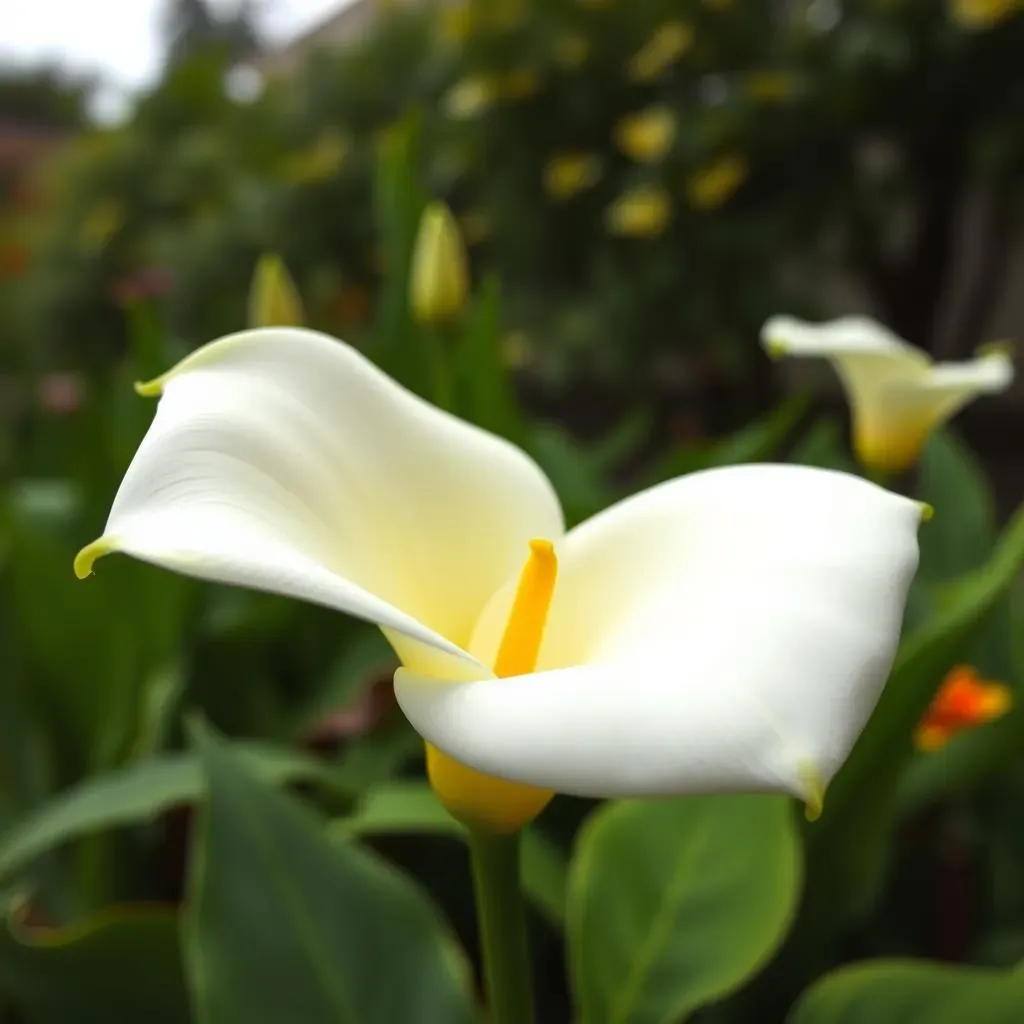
(282, 459)
(897, 394)
(730, 630)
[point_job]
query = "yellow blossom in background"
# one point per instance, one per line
(102, 222)
(714, 185)
(457, 22)
(641, 212)
(982, 14)
(476, 226)
(768, 87)
(569, 173)
(273, 298)
(518, 84)
(571, 50)
(319, 162)
(469, 98)
(440, 274)
(964, 701)
(669, 42)
(647, 135)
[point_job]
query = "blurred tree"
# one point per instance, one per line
(43, 97)
(191, 28)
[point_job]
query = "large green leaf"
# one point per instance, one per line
(908, 992)
(402, 808)
(119, 968)
(137, 794)
(283, 925)
(674, 903)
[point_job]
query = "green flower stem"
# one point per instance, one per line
(502, 921)
(438, 345)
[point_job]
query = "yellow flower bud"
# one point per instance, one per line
(648, 135)
(440, 276)
(273, 299)
(569, 173)
(669, 42)
(715, 184)
(468, 98)
(642, 212)
(982, 14)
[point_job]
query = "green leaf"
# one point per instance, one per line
(285, 926)
(137, 794)
(122, 966)
(908, 992)
(963, 532)
(674, 903)
(400, 808)
(485, 392)
(823, 446)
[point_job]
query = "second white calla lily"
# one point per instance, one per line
(897, 395)
(726, 631)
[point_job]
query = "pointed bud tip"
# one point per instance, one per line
(775, 348)
(274, 300)
(926, 511)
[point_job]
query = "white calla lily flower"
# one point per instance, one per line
(726, 631)
(897, 395)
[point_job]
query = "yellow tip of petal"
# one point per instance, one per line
(814, 790)
(926, 511)
(776, 348)
(86, 558)
(149, 388)
(995, 348)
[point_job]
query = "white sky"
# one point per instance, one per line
(120, 39)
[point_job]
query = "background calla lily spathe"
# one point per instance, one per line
(897, 395)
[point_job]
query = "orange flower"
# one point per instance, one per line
(964, 700)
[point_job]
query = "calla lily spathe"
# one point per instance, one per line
(897, 395)
(726, 631)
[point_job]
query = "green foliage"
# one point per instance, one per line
(913, 993)
(283, 926)
(661, 910)
(119, 967)
(675, 903)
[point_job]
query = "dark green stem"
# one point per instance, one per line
(502, 922)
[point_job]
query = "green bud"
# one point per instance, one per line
(440, 276)
(274, 300)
